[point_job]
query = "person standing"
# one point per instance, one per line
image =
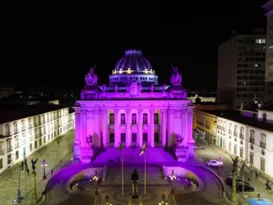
(259, 195)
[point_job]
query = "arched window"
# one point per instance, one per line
(7, 126)
(15, 125)
(230, 128)
(252, 136)
(264, 116)
(29, 123)
(23, 124)
(263, 141)
(235, 130)
(242, 132)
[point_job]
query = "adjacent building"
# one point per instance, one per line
(133, 110)
(26, 129)
(197, 111)
(268, 7)
(241, 69)
(247, 134)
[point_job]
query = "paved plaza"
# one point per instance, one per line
(59, 156)
(55, 155)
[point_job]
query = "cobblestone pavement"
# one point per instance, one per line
(59, 191)
(55, 155)
(211, 152)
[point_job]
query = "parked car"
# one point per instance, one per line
(214, 163)
(228, 181)
(247, 187)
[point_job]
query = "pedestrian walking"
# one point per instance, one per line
(52, 172)
(58, 142)
(248, 180)
(259, 195)
(251, 170)
(256, 175)
(27, 171)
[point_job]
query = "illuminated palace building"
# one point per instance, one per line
(133, 109)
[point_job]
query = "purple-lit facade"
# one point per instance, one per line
(133, 109)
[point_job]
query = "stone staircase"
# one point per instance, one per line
(154, 156)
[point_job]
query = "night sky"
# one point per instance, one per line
(52, 45)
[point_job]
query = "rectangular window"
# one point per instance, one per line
(17, 155)
(40, 141)
(235, 149)
(111, 119)
(35, 144)
(134, 119)
(122, 119)
(1, 163)
(251, 158)
(112, 138)
(30, 147)
(156, 118)
(145, 137)
(229, 146)
(145, 118)
(262, 164)
(241, 152)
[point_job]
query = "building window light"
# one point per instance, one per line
(120, 71)
(260, 41)
(256, 65)
(270, 46)
(129, 71)
(145, 71)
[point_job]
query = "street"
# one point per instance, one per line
(210, 152)
(53, 154)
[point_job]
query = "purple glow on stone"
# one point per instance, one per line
(131, 98)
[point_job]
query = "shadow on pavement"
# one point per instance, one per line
(82, 199)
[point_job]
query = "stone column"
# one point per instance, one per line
(34, 200)
(152, 126)
(128, 129)
(104, 127)
(169, 136)
(84, 128)
(98, 112)
(77, 141)
(140, 128)
(163, 125)
(189, 122)
(184, 118)
(116, 126)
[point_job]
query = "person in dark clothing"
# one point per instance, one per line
(58, 142)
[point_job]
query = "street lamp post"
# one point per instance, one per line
(163, 202)
(96, 178)
(44, 165)
(172, 177)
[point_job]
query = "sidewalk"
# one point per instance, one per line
(258, 184)
(56, 156)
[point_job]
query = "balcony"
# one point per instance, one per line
(2, 152)
(111, 126)
(263, 145)
(242, 136)
(9, 149)
(122, 126)
(16, 146)
(134, 127)
(251, 140)
(235, 133)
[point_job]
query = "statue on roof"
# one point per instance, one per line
(91, 78)
(176, 77)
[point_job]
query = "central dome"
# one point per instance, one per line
(133, 60)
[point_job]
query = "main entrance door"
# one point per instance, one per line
(145, 138)
(157, 139)
(112, 138)
(134, 138)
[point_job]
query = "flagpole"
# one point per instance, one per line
(145, 173)
(122, 177)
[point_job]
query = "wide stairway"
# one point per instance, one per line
(154, 156)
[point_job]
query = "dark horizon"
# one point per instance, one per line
(46, 46)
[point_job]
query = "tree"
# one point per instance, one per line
(197, 100)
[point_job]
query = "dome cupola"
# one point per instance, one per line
(133, 67)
